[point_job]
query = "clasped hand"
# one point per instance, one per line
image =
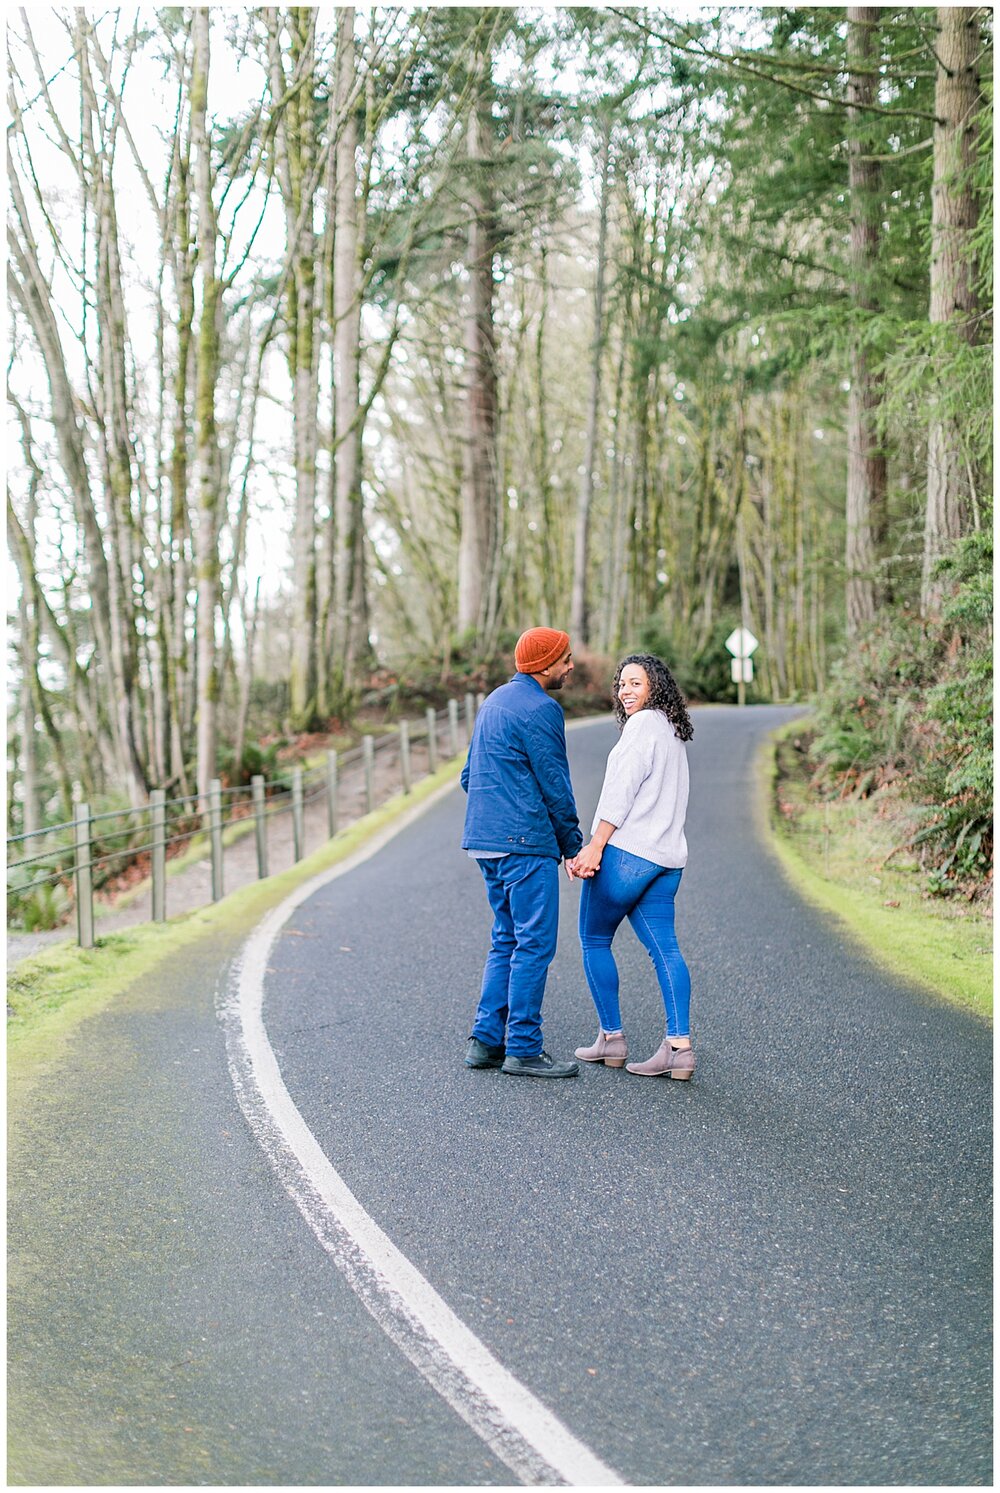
(585, 864)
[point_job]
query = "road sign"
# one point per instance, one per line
(742, 670)
(741, 642)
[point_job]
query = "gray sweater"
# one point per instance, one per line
(645, 790)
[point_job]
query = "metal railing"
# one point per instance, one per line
(81, 853)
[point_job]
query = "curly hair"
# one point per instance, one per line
(663, 693)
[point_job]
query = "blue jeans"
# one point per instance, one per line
(630, 886)
(524, 895)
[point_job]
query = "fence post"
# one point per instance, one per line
(368, 752)
(470, 717)
(158, 809)
(298, 825)
(259, 824)
(432, 740)
(453, 727)
(331, 793)
(479, 701)
(84, 879)
(215, 833)
(404, 755)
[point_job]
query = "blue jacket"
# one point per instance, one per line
(517, 775)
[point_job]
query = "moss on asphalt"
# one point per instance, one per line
(50, 993)
(834, 855)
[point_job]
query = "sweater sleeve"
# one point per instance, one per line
(629, 764)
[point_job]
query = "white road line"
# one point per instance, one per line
(517, 1427)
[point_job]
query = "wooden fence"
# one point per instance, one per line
(80, 853)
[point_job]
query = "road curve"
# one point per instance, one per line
(728, 1284)
(775, 1274)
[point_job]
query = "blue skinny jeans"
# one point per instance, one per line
(628, 886)
(524, 895)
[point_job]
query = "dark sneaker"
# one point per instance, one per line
(540, 1065)
(479, 1055)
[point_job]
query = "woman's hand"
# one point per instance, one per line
(587, 863)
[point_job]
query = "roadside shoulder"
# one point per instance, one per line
(833, 860)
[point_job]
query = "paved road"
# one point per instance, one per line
(776, 1274)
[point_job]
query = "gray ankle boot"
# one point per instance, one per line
(677, 1062)
(611, 1051)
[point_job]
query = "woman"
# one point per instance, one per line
(632, 865)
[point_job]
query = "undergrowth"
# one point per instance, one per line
(909, 707)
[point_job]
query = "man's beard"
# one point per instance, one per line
(557, 684)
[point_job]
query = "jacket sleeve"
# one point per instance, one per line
(629, 764)
(550, 765)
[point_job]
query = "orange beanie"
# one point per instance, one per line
(539, 647)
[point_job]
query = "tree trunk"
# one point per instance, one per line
(954, 214)
(29, 633)
(31, 801)
(296, 144)
(114, 438)
(174, 628)
(206, 447)
(246, 683)
(866, 464)
(348, 632)
(479, 474)
(579, 610)
(550, 532)
(617, 509)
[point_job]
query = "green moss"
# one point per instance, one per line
(834, 855)
(50, 993)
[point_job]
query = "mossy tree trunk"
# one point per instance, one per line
(119, 468)
(346, 634)
(579, 610)
(295, 143)
(480, 496)
(866, 463)
(208, 503)
(177, 553)
(953, 297)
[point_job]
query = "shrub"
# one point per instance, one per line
(868, 716)
(258, 759)
(911, 702)
(36, 901)
(956, 776)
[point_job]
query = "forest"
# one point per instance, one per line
(343, 344)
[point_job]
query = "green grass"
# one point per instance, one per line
(50, 993)
(843, 856)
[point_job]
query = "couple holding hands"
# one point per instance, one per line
(521, 821)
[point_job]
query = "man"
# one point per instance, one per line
(520, 821)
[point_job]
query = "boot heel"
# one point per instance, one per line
(614, 1062)
(684, 1073)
